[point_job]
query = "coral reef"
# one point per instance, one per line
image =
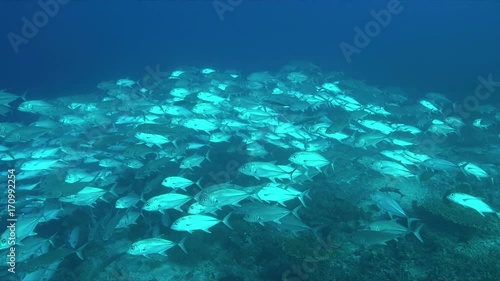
(454, 218)
(306, 248)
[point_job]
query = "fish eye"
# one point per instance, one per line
(132, 248)
(4, 241)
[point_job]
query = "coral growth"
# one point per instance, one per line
(455, 217)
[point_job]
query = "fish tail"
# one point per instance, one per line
(181, 245)
(295, 211)
(79, 251)
(416, 232)
(198, 182)
(291, 174)
(226, 221)
(51, 239)
(208, 156)
(23, 97)
(301, 197)
(410, 221)
(317, 232)
(113, 190)
(306, 193)
(307, 174)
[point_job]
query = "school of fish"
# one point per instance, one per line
(127, 155)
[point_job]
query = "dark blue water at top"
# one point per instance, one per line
(430, 45)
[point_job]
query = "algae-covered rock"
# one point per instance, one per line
(436, 211)
(306, 248)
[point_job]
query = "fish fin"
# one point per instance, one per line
(178, 208)
(199, 181)
(481, 213)
(207, 230)
(475, 198)
(317, 232)
(51, 240)
(163, 211)
(410, 220)
(306, 173)
(10, 154)
(226, 221)
(146, 256)
(416, 232)
(207, 156)
(112, 191)
(306, 193)
(23, 97)
(291, 174)
(261, 223)
(181, 245)
(79, 251)
(281, 203)
(163, 253)
(256, 197)
(294, 212)
(301, 197)
(332, 164)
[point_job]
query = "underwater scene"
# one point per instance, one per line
(179, 168)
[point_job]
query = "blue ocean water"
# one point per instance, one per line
(431, 45)
(320, 140)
